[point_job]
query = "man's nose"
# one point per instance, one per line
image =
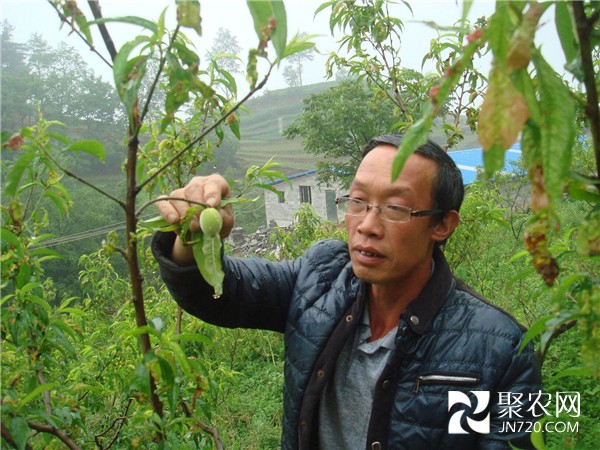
(370, 222)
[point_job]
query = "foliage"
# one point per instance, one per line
(336, 124)
(292, 73)
(308, 228)
(370, 50)
(486, 253)
(541, 106)
(141, 390)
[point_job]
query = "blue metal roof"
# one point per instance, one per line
(469, 160)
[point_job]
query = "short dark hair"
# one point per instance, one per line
(448, 189)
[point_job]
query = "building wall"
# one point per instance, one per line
(283, 213)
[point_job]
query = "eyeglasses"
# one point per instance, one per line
(389, 213)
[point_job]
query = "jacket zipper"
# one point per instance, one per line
(459, 379)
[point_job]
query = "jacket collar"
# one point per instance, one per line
(421, 311)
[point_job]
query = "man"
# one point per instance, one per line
(377, 331)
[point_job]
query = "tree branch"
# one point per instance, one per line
(111, 426)
(584, 27)
(84, 181)
(210, 430)
(78, 33)
(64, 437)
(557, 332)
(108, 42)
(161, 66)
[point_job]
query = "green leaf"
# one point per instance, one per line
(40, 302)
(298, 44)
(415, 136)
(557, 127)
(500, 29)
(159, 223)
(16, 172)
(37, 391)
(20, 432)
(534, 330)
(89, 146)
(235, 128)
(196, 337)
(7, 236)
(207, 253)
(578, 372)
(567, 35)
(133, 20)
(538, 438)
(128, 74)
(166, 372)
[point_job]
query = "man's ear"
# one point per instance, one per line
(444, 229)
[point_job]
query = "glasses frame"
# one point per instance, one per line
(417, 213)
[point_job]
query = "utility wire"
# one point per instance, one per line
(83, 235)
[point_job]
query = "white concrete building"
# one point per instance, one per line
(302, 188)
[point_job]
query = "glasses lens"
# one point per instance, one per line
(395, 213)
(352, 206)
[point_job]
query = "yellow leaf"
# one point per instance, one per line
(503, 113)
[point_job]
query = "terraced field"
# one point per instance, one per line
(269, 115)
(262, 129)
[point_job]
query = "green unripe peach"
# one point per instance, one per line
(211, 221)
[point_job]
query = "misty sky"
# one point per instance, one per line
(37, 16)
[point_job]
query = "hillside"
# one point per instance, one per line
(262, 128)
(269, 114)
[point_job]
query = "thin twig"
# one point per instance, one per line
(213, 431)
(84, 181)
(78, 33)
(161, 199)
(47, 403)
(120, 419)
(178, 155)
(161, 66)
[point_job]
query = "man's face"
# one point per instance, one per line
(386, 253)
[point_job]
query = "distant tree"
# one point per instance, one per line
(66, 87)
(371, 50)
(15, 83)
(226, 49)
(292, 72)
(337, 123)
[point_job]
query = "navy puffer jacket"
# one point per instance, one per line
(448, 340)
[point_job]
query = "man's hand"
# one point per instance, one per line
(208, 191)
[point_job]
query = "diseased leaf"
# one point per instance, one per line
(188, 14)
(521, 43)
(270, 23)
(503, 114)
